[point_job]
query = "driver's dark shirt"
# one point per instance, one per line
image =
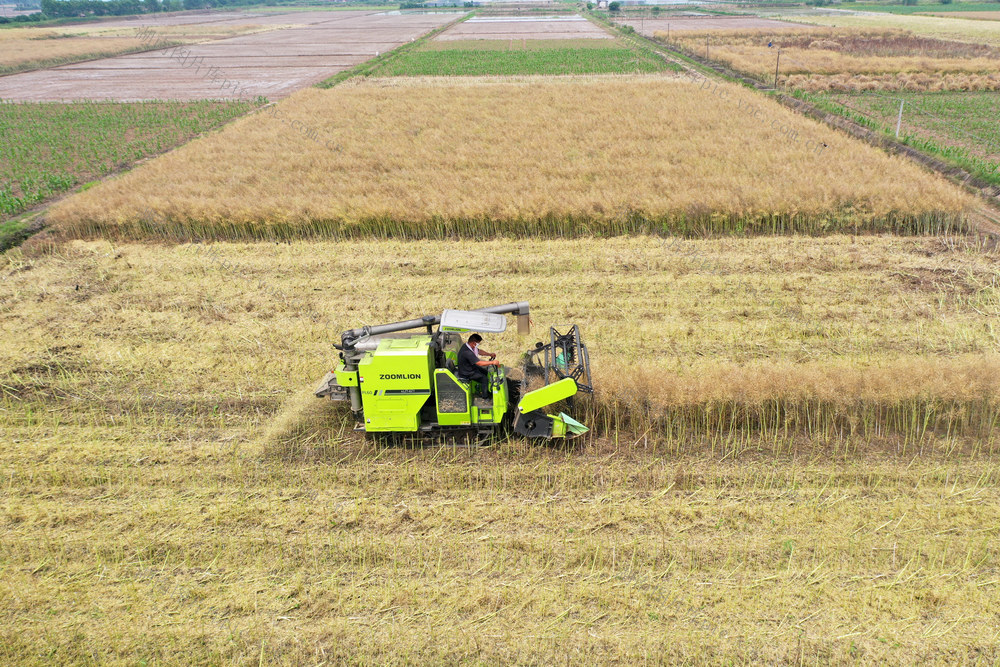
(467, 368)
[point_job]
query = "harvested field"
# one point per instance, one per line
(649, 27)
(850, 59)
(980, 16)
(271, 64)
(23, 49)
(478, 157)
(145, 519)
(216, 18)
(524, 27)
(513, 44)
(958, 29)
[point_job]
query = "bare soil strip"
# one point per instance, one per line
(272, 64)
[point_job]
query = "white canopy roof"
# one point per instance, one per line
(472, 320)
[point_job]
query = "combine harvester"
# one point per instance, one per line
(406, 383)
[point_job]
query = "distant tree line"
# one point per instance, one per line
(80, 8)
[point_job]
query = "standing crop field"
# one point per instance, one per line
(558, 157)
(165, 500)
(51, 148)
(510, 57)
(963, 30)
(849, 59)
(29, 49)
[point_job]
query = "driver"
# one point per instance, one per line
(472, 368)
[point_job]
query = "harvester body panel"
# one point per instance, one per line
(346, 378)
(547, 395)
(395, 383)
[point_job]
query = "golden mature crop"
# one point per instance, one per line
(541, 156)
(844, 58)
(827, 336)
(911, 82)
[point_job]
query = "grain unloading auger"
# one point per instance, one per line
(403, 381)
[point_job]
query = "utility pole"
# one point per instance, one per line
(668, 32)
(899, 119)
(706, 47)
(777, 60)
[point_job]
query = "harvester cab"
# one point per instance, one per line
(402, 378)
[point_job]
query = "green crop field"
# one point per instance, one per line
(959, 126)
(553, 58)
(49, 148)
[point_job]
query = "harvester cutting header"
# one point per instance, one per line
(399, 380)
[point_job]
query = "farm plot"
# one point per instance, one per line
(146, 518)
(961, 126)
(270, 64)
(897, 334)
(23, 49)
(953, 9)
(51, 148)
(958, 29)
(849, 59)
(523, 28)
(27, 49)
(480, 157)
(485, 57)
(649, 27)
(977, 16)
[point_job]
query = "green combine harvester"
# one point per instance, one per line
(401, 381)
